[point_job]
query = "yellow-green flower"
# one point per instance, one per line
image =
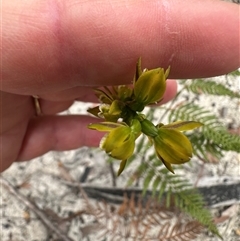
(150, 86)
(120, 108)
(124, 92)
(171, 146)
(110, 112)
(119, 142)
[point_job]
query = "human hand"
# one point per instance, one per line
(59, 50)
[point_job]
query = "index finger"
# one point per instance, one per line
(56, 45)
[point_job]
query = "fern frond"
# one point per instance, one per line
(148, 178)
(222, 138)
(214, 137)
(199, 86)
(175, 191)
(234, 73)
(203, 148)
(180, 231)
(192, 203)
(193, 112)
(138, 218)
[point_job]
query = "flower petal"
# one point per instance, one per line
(171, 156)
(150, 86)
(124, 151)
(113, 113)
(169, 146)
(176, 140)
(168, 166)
(122, 166)
(183, 125)
(104, 126)
(116, 138)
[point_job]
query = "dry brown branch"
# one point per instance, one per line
(33, 207)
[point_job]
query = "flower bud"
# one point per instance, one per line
(148, 128)
(111, 112)
(171, 146)
(119, 143)
(124, 92)
(150, 86)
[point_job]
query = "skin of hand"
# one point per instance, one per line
(60, 49)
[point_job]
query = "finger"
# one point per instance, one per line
(170, 92)
(73, 43)
(53, 107)
(87, 94)
(48, 107)
(80, 93)
(15, 113)
(61, 132)
(15, 110)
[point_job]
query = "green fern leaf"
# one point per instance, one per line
(176, 191)
(223, 138)
(234, 73)
(213, 137)
(148, 179)
(155, 184)
(210, 87)
(195, 113)
(203, 147)
(193, 204)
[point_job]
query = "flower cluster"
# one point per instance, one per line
(121, 109)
